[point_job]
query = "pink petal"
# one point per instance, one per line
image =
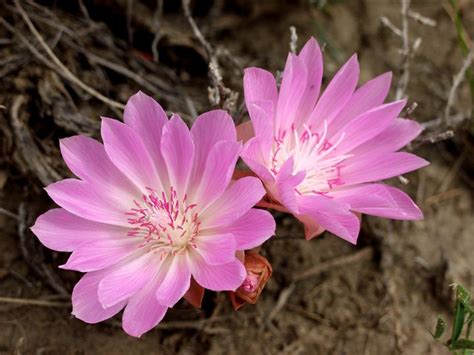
(209, 129)
(331, 215)
(366, 126)
(60, 230)
(259, 85)
(253, 157)
(379, 166)
(128, 153)
(218, 172)
(292, 89)
(147, 118)
(88, 160)
(143, 312)
(368, 96)
(216, 249)
(242, 195)
(226, 277)
(380, 200)
(177, 148)
(286, 184)
(261, 114)
(127, 279)
(337, 93)
(252, 229)
(176, 281)
(101, 253)
(313, 59)
(89, 202)
(311, 227)
(396, 136)
(85, 303)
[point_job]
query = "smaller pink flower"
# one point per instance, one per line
(321, 156)
(153, 215)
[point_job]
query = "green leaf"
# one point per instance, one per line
(463, 344)
(440, 328)
(458, 321)
(463, 296)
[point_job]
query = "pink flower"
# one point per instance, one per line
(320, 156)
(153, 211)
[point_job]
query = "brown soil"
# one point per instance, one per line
(381, 297)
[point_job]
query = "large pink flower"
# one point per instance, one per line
(320, 156)
(154, 207)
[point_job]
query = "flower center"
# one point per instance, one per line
(311, 152)
(250, 283)
(166, 223)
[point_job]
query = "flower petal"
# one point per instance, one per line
(312, 57)
(147, 118)
(368, 96)
(286, 183)
(143, 312)
(60, 230)
(252, 229)
(226, 277)
(88, 160)
(127, 279)
(177, 148)
(292, 89)
(126, 150)
(380, 200)
(218, 172)
(259, 85)
(379, 166)
(176, 281)
(396, 136)
(87, 201)
(85, 302)
(233, 203)
(331, 215)
(336, 95)
(101, 253)
(253, 157)
(367, 125)
(216, 249)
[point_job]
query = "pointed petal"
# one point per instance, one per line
(218, 172)
(252, 229)
(86, 201)
(331, 215)
(337, 93)
(396, 136)
(259, 85)
(85, 303)
(379, 167)
(312, 57)
(261, 114)
(253, 157)
(88, 160)
(147, 118)
(367, 125)
(176, 281)
(233, 203)
(292, 89)
(380, 200)
(177, 148)
(216, 249)
(128, 153)
(368, 96)
(226, 277)
(60, 230)
(143, 312)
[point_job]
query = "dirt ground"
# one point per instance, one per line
(381, 297)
